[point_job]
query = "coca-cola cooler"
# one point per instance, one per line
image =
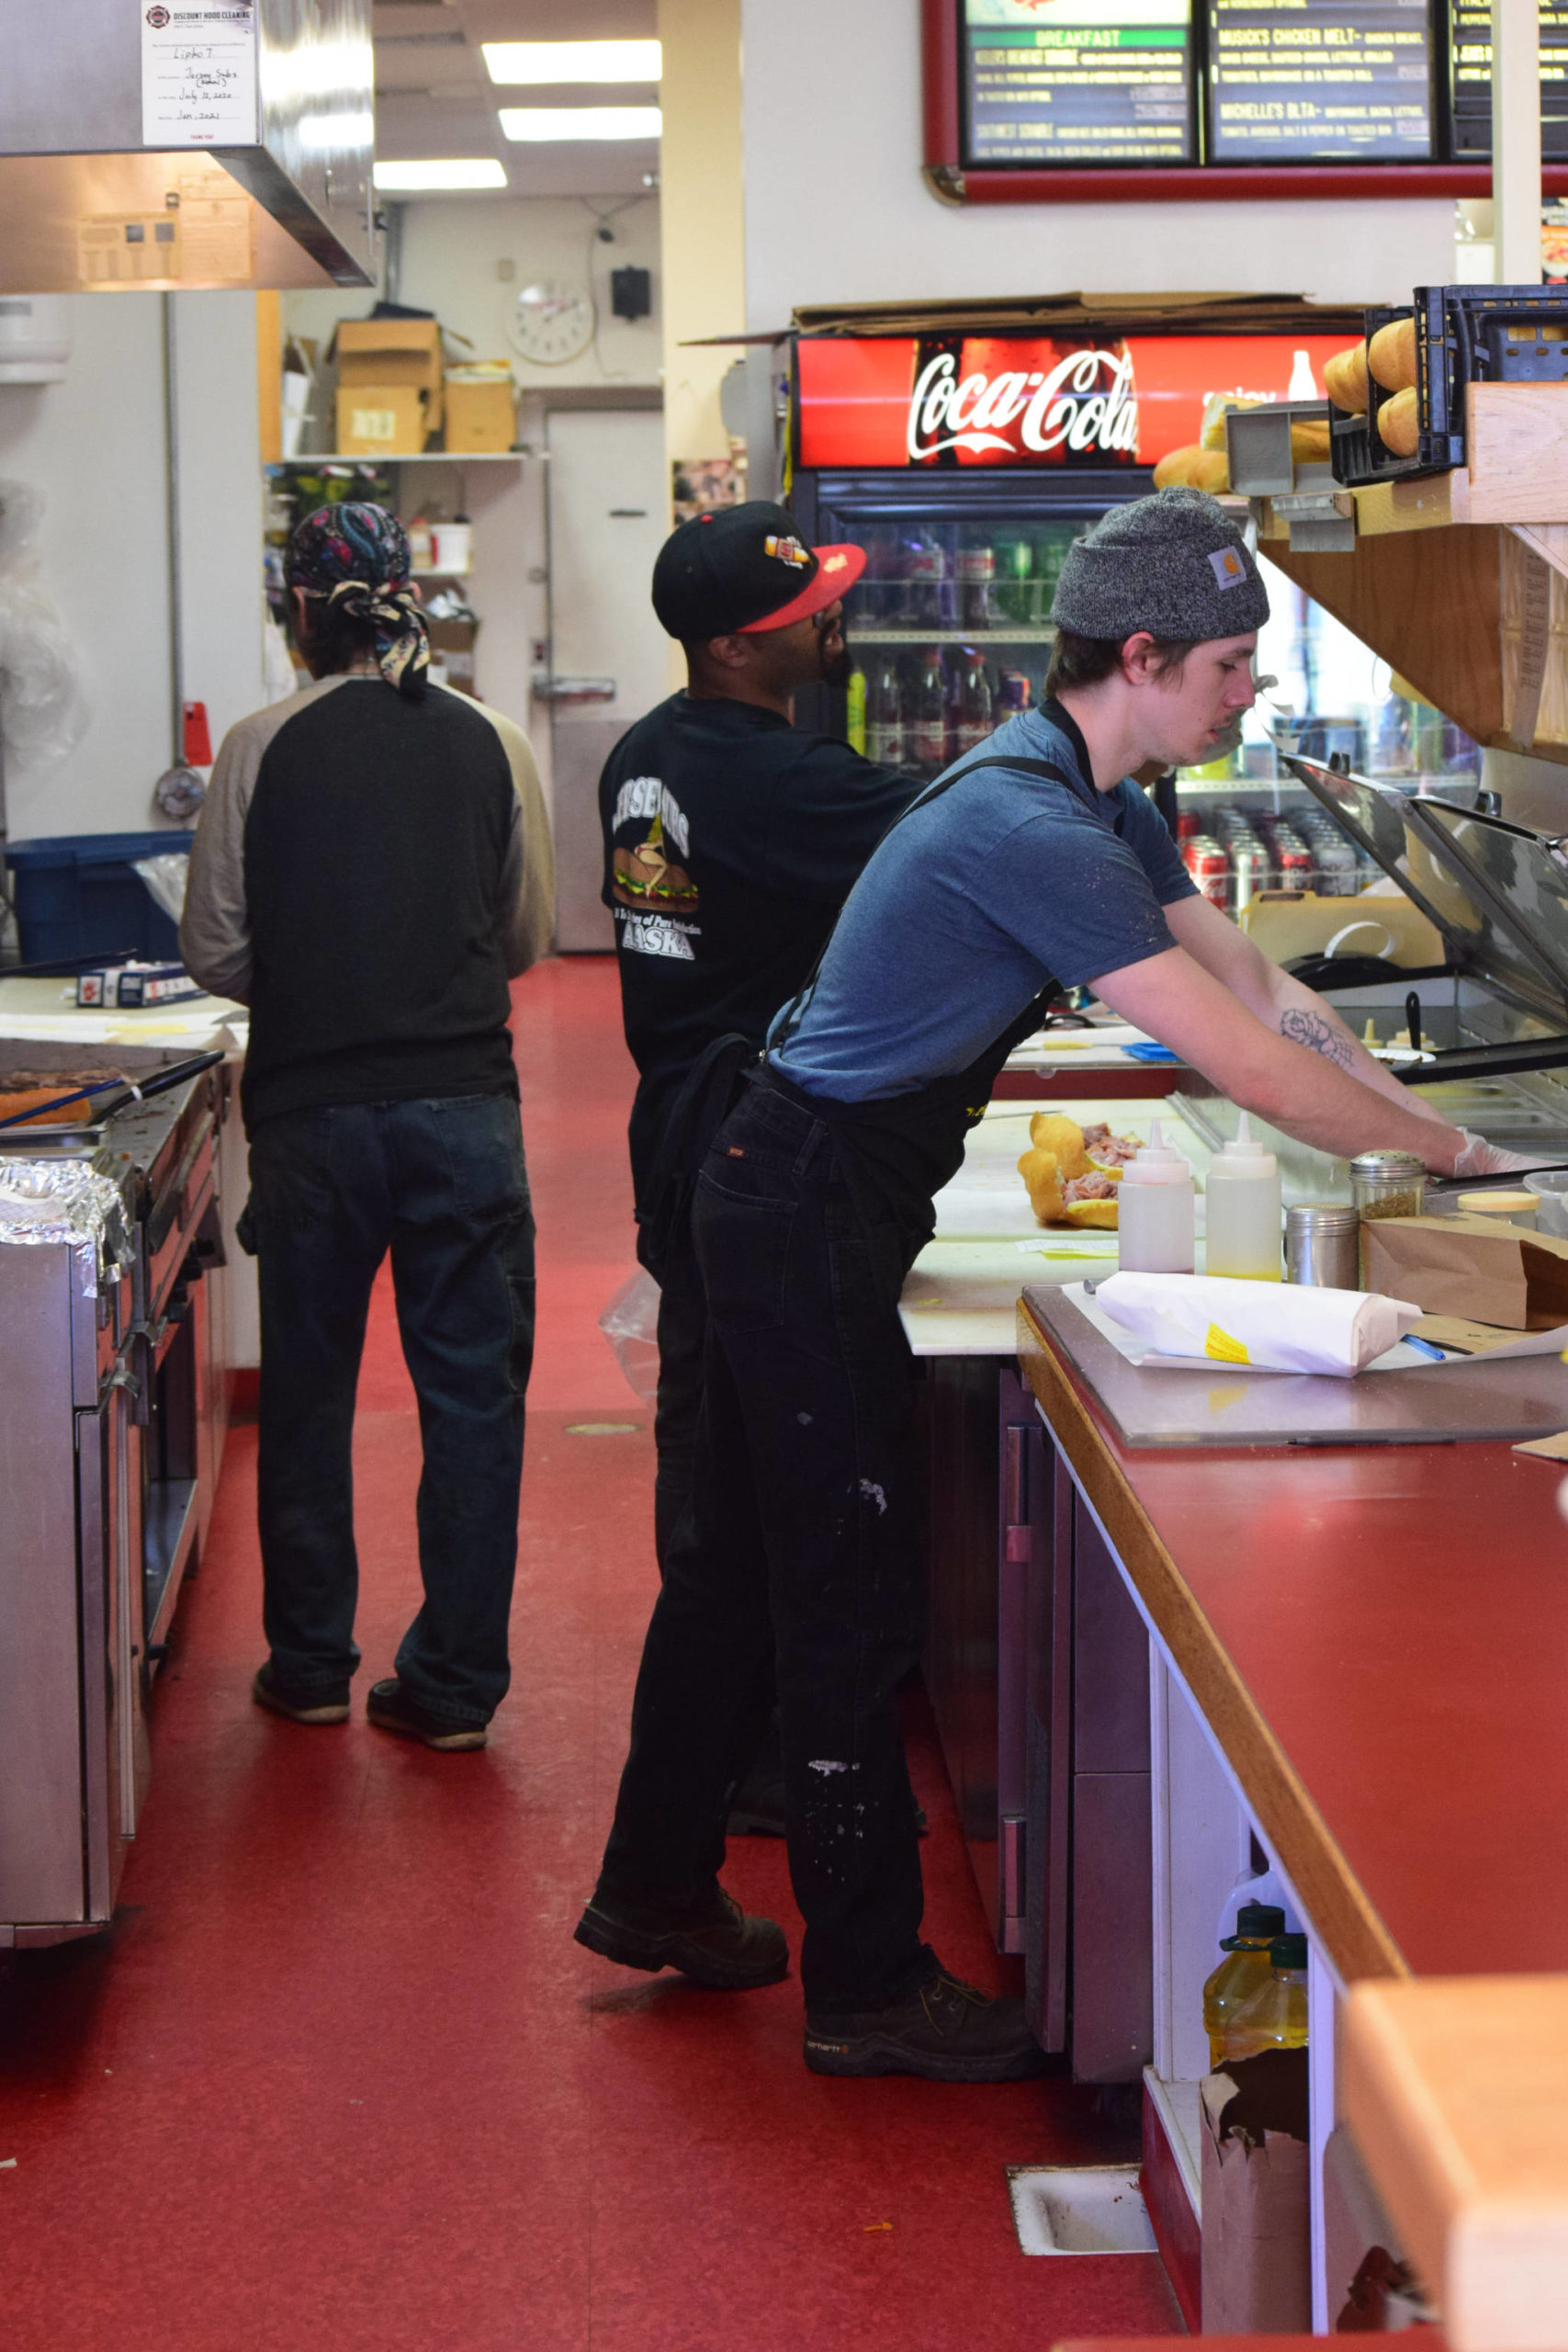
(965, 463)
(964, 455)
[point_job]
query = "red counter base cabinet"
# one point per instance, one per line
(1171, 2217)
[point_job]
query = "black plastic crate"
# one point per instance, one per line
(1464, 334)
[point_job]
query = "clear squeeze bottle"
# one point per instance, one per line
(1275, 2015)
(1239, 1974)
(1155, 1216)
(1242, 1195)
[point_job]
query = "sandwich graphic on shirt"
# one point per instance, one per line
(644, 877)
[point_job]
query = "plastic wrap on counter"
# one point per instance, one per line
(51, 1201)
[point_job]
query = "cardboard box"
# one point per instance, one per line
(452, 644)
(480, 411)
(393, 351)
(379, 421)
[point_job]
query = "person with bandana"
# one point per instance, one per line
(372, 864)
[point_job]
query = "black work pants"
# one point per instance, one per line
(802, 1520)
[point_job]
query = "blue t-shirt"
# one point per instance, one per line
(999, 883)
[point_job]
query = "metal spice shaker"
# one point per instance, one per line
(1321, 1244)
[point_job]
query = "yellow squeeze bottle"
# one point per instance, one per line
(1240, 1974)
(1242, 1195)
(1275, 2016)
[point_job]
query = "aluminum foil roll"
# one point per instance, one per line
(44, 1201)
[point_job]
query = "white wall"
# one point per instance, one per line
(453, 249)
(846, 218)
(94, 446)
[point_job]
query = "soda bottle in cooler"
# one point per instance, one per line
(927, 728)
(886, 740)
(1013, 693)
(854, 711)
(977, 582)
(928, 598)
(975, 719)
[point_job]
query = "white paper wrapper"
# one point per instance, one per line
(44, 1201)
(1210, 1320)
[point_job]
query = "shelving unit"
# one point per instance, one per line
(978, 638)
(311, 462)
(1460, 580)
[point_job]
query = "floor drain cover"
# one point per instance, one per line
(1079, 2208)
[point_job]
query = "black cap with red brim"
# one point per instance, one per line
(742, 570)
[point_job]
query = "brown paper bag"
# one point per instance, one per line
(1257, 2258)
(1469, 1266)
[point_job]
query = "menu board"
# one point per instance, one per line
(1472, 56)
(1320, 81)
(1080, 81)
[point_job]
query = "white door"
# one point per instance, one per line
(608, 520)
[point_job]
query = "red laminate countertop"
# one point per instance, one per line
(1379, 1635)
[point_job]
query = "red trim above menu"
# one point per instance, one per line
(1158, 184)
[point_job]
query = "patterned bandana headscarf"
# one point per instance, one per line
(355, 559)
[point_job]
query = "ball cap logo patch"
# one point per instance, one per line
(787, 550)
(1227, 567)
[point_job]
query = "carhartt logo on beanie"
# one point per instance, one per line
(1174, 564)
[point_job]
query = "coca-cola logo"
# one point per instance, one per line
(1086, 402)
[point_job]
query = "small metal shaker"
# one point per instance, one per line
(1321, 1244)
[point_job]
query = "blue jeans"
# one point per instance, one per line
(442, 1185)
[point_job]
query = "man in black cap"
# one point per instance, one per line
(731, 840)
(1033, 863)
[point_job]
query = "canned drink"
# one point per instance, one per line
(1296, 863)
(1189, 824)
(1013, 690)
(1208, 863)
(1249, 871)
(1338, 868)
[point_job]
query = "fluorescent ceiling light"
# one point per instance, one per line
(455, 170)
(572, 60)
(581, 122)
(325, 134)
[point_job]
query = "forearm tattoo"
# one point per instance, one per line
(1318, 1034)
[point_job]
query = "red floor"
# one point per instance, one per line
(340, 2077)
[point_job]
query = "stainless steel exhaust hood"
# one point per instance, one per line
(174, 143)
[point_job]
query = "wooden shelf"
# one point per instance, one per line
(1459, 580)
(311, 462)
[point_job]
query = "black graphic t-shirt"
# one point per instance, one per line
(731, 840)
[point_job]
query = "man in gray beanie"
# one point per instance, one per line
(1034, 865)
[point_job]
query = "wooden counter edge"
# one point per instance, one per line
(1357, 1942)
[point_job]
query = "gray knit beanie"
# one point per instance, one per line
(1174, 564)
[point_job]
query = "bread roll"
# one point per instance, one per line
(1399, 423)
(1310, 440)
(1174, 471)
(1042, 1183)
(1053, 1131)
(1344, 380)
(1101, 1215)
(1391, 355)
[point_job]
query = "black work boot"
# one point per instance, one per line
(327, 1705)
(390, 1708)
(725, 1950)
(942, 2030)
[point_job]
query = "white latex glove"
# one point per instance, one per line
(1480, 1158)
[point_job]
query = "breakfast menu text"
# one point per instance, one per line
(1319, 81)
(1080, 81)
(1471, 24)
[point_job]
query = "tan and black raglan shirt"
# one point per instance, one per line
(368, 873)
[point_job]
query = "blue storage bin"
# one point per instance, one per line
(78, 896)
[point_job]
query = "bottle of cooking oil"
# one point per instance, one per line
(1239, 1974)
(1241, 1195)
(1275, 2016)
